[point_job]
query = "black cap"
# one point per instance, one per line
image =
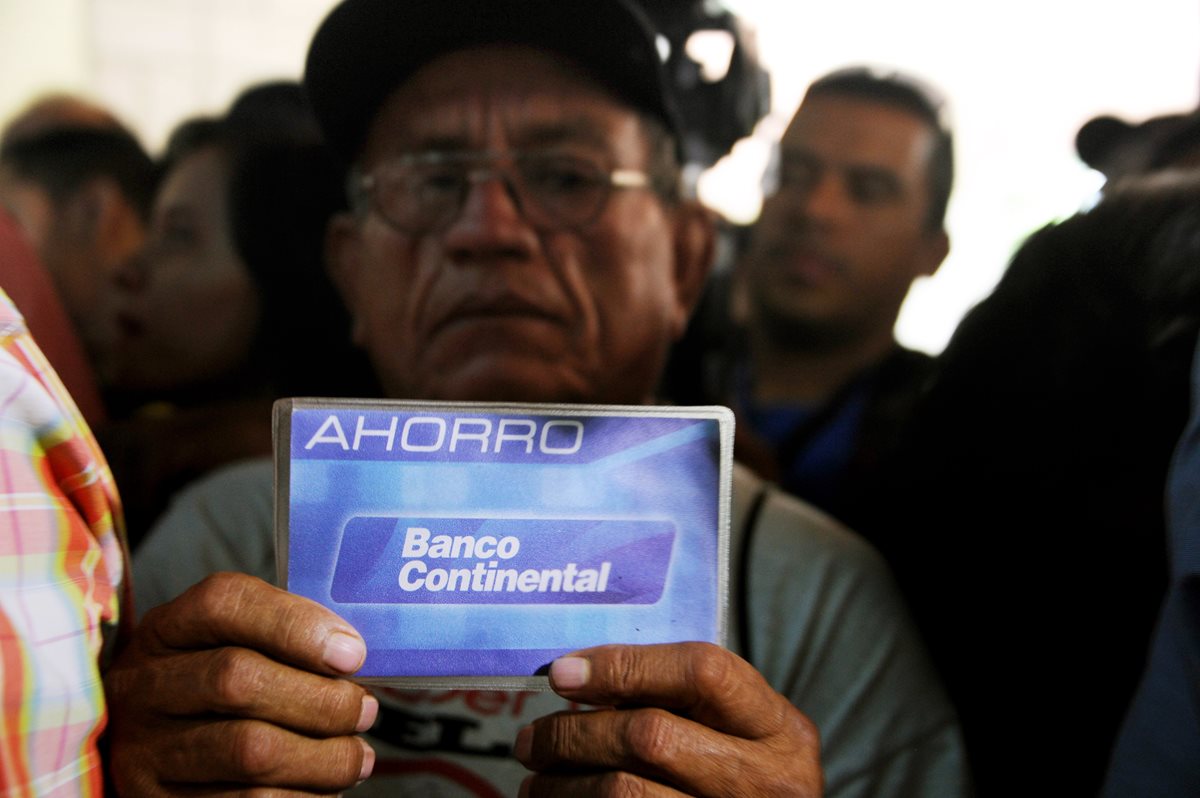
(366, 48)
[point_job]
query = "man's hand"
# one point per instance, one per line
(233, 685)
(688, 718)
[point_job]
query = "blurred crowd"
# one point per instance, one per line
(1032, 489)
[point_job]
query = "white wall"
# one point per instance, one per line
(44, 45)
(154, 62)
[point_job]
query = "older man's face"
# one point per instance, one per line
(491, 303)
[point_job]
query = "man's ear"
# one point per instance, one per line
(343, 262)
(937, 247)
(695, 249)
(119, 230)
(739, 295)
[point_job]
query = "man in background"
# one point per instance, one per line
(864, 177)
(78, 185)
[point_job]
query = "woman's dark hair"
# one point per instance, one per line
(280, 201)
(283, 187)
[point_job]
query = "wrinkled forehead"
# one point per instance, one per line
(501, 97)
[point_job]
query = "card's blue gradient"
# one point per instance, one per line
(635, 489)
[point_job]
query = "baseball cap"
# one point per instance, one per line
(364, 49)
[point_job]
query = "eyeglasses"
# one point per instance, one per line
(423, 192)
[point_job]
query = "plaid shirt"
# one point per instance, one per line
(62, 577)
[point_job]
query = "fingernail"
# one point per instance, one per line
(523, 746)
(370, 711)
(569, 673)
(368, 763)
(344, 653)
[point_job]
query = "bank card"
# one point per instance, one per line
(472, 544)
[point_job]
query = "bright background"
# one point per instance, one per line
(1021, 77)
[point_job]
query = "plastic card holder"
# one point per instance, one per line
(472, 544)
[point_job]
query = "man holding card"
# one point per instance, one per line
(517, 236)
